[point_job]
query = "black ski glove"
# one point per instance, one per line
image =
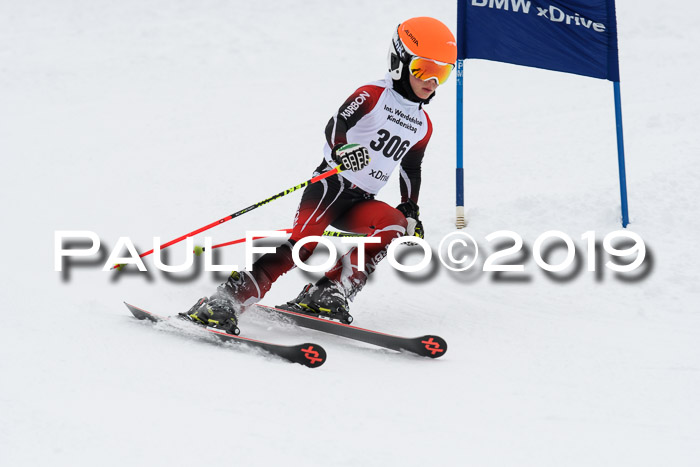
(410, 210)
(350, 156)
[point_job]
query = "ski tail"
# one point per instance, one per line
(429, 346)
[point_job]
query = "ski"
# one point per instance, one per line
(310, 355)
(427, 346)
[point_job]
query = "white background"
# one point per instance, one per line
(153, 118)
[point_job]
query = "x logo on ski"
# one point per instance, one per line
(311, 355)
(432, 346)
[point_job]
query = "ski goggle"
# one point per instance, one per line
(425, 69)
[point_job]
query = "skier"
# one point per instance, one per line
(379, 126)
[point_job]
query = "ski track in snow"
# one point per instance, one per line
(152, 118)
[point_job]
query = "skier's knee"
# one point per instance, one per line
(305, 251)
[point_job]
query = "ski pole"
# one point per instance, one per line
(313, 180)
(326, 233)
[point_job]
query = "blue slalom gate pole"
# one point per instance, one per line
(460, 222)
(621, 154)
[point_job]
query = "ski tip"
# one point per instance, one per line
(311, 355)
(432, 346)
(136, 311)
(142, 314)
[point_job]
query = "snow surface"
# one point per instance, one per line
(153, 117)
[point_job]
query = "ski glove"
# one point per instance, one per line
(410, 210)
(350, 156)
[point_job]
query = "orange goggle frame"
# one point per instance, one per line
(425, 69)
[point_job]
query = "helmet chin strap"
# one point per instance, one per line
(395, 65)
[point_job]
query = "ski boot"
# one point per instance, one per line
(231, 298)
(326, 298)
(215, 311)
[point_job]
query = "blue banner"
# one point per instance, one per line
(573, 36)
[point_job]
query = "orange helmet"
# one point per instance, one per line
(426, 38)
